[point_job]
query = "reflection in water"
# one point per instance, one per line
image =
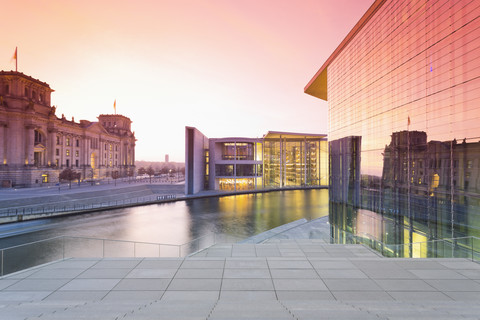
(428, 190)
(182, 221)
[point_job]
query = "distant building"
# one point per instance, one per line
(36, 144)
(166, 158)
(279, 159)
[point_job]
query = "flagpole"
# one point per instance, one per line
(16, 60)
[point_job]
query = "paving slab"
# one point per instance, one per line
(90, 284)
(203, 273)
(352, 285)
(299, 284)
(195, 284)
(247, 284)
(141, 284)
(247, 295)
(294, 273)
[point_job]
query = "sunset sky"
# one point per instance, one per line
(227, 67)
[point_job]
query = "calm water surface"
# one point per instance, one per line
(179, 222)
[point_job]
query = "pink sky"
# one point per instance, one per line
(227, 67)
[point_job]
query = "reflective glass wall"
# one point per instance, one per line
(295, 162)
(404, 108)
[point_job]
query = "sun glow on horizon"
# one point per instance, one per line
(228, 68)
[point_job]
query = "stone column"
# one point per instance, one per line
(51, 146)
(29, 142)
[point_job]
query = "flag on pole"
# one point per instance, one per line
(15, 58)
(115, 106)
(408, 120)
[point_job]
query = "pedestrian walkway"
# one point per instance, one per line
(34, 203)
(285, 279)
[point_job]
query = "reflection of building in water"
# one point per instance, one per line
(405, 72)
(36, 145)
(279, 159)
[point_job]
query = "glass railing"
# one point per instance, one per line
(461, 247)
(32, 254)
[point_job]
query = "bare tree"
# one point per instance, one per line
(115, 176)
(69, 175)
(150, 172)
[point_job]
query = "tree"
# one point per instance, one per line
(150, 172)
(115, 176)
(141, 171)
(130, 173)
(69, 175)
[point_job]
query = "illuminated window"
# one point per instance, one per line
(44, 178)
(67, 142)
(56, 162)
(76, 153)
(110, 147)
(68, 152)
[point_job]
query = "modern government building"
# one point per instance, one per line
(36, 144)
(403, 92)
(277, 160)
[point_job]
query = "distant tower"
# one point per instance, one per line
(166, 158)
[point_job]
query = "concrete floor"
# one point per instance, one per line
(283, 279)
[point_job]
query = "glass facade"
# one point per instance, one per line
(404, 107)
(279, 159)
(238, 151)
(292, 161)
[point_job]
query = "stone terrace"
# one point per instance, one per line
(286, 279)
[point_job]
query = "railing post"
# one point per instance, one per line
(471, 244)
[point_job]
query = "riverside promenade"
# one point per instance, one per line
(53, 201)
